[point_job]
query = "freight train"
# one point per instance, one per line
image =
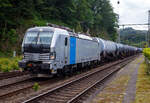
(53, 49)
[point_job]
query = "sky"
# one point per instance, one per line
(132, 12)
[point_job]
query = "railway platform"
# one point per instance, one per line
(121, 88)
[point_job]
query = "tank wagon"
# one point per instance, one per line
(55, 49)
(120, 49)
(139, 50)
(107, 49)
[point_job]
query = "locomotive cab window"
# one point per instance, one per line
(36, 37)
(66, 41)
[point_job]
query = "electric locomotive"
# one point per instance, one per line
(57, 50)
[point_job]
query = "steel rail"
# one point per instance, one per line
(12, 74)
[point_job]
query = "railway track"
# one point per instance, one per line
(13, 88)
(10, 90)
(72, 91)
(12, 74)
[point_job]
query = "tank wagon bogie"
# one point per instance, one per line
(55, 50)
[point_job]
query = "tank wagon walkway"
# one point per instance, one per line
(122, 89)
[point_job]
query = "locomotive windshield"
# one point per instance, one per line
(35, 37)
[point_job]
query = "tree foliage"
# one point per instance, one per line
(134, 37)
(16, 16)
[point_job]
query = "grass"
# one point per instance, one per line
(143, 85)
(36, 87)
(146, 52)
(114, 93)
(9, 64)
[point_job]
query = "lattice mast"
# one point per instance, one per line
(148, 33)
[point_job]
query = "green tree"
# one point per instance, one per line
(16, 16)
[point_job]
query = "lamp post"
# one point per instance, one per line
(118, 2)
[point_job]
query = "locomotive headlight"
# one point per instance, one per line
(53, 56)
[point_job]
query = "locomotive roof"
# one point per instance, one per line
(41, 29)
(82, 36)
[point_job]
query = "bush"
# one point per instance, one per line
(146, 52)
(0, 66)
(36, 86)
(15, 66)
(9, 64)
(6, 69)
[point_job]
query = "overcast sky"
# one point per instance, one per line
(132, 11)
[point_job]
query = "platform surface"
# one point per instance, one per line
(122, 89)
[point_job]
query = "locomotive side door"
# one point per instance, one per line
(66, 49)
(63, 49)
